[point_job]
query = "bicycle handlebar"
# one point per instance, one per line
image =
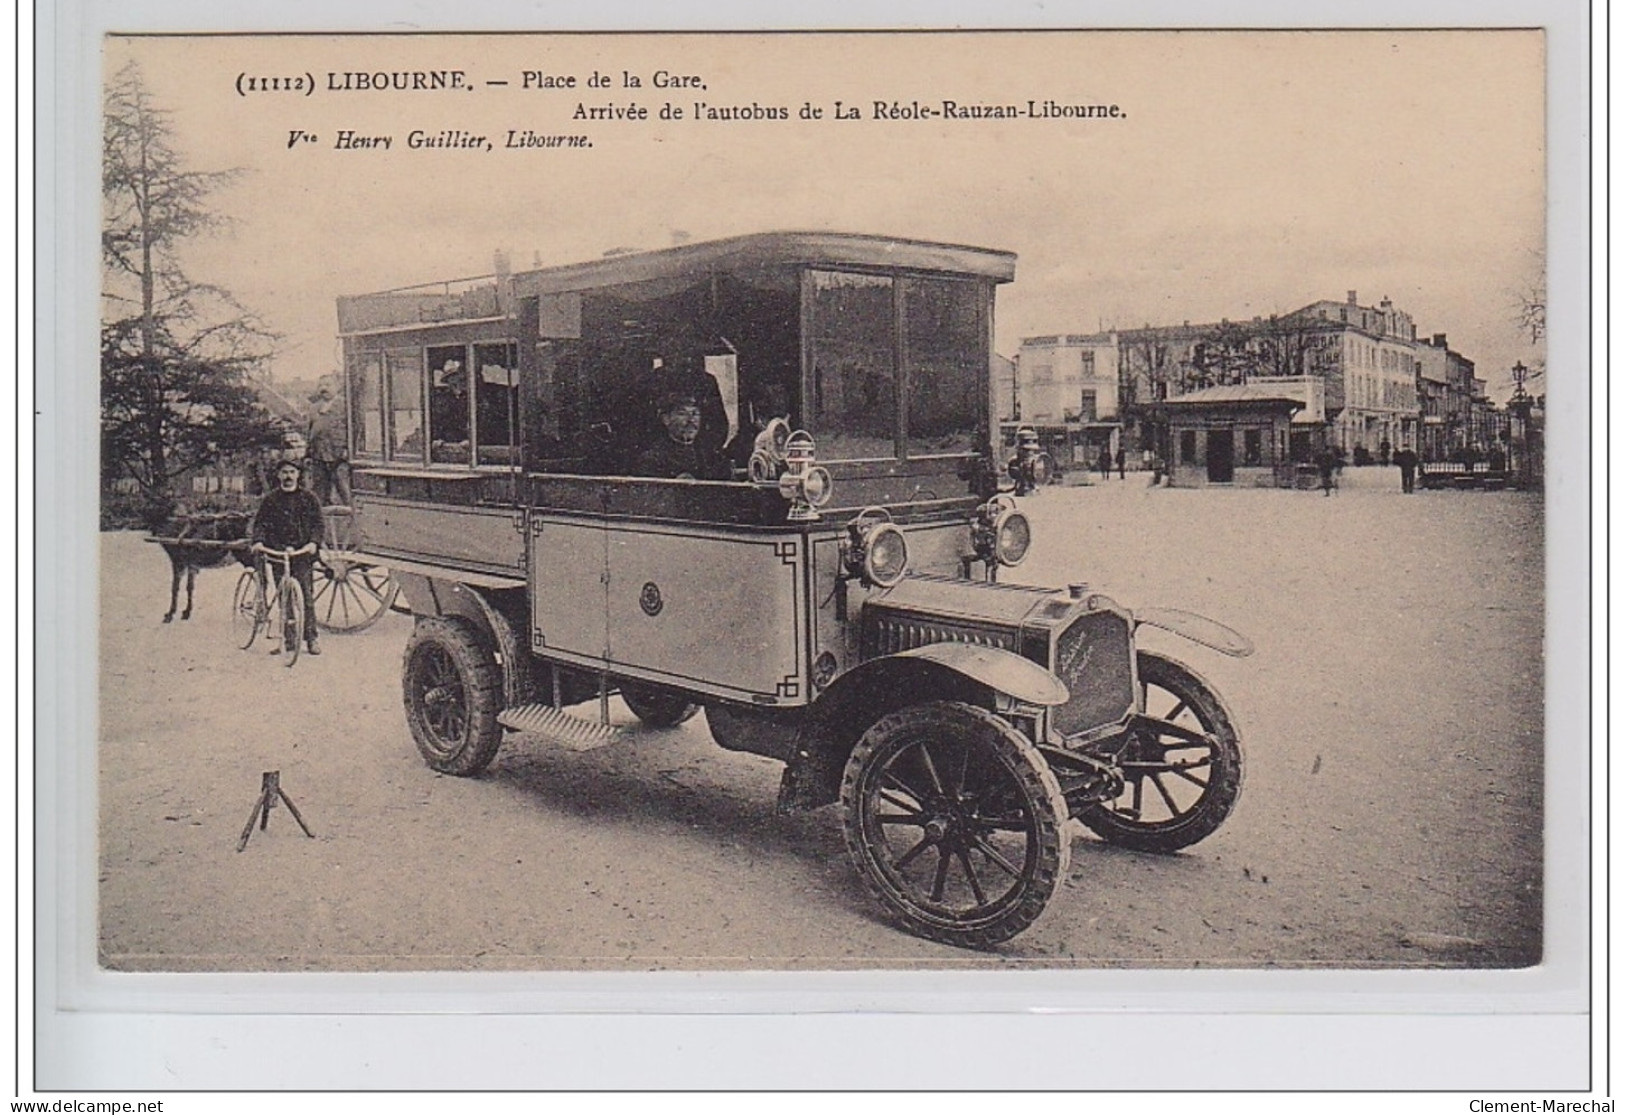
(261, 548)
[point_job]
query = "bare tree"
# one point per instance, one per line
(1531, 308)
(1227, 354)
(176, 354)
(1529, 317)
(1290, 346)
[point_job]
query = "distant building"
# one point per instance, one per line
(1488, 427)
(1365, 357)
(1444, 382)
(1067, 388)
(1006, 405)
(1240, 433)
(1371, 394)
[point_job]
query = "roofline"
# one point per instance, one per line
(1261, 400)
(766, 248)
(753, 249)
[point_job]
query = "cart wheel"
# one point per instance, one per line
(453, 692)
(351, 596)
(955, 822)
(247, 610)
(290, 618)
(657, 707)
(1176, 791)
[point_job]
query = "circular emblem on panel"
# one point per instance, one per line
(824, 669)
(650, 600)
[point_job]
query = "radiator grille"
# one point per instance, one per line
(1094, 655)
(1095, 658)
(892, 633)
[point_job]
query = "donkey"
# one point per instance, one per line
(187, 557)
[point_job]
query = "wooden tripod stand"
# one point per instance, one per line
(270, 790)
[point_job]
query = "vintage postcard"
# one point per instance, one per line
(737, 526)
(823, 501)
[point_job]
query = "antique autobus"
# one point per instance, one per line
(830, 596)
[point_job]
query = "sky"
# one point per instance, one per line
(1244, 173)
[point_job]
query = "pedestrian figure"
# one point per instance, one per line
(1326, 462)
(1121, 475)
(328, 451)
(1104, 464)
(1406, 460)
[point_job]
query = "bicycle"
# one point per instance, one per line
(280, 611)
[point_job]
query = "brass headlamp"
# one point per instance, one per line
(1030, 468)
(874, 550)
(1000, 534)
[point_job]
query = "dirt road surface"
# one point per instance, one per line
(1391, 813)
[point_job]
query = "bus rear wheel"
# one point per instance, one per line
(453, 692)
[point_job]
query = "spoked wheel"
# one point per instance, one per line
(350, 596)
(453, 692)
(657, 707)
(955, 822)
(1181, 769)
(247, 610)
(290, 615)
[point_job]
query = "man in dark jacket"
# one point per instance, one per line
(686, 375)
(290, 518)
(1406, 460)
(326, 443)
(683, 453)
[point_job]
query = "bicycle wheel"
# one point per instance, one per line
(247, 610)
(291, 618)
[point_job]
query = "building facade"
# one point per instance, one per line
(1365, 357)
(1237, 434)
(1444, 382)
(1068, 388)
(1375, 407)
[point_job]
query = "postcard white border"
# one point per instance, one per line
(1297, 1029)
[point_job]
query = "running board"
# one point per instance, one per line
(557, 726)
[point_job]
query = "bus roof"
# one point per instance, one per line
(477, 299)
(816, 249)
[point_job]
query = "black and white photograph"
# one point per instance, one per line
(962, 501)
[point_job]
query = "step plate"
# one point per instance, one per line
(557, 726)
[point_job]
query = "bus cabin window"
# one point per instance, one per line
(405, 375)
(367, 404)
(449, 405)
(496, 404)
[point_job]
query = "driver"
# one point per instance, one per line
(290, 518)
(681, 453)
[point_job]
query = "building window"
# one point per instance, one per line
(1252, 447)
(1086, 407)
(1087, 359)
(1187, 447)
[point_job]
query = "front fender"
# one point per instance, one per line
(863, 694)
(1000, 670)
(1198, 629)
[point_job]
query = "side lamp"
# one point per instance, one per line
(1029, 468)
(804, 482)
